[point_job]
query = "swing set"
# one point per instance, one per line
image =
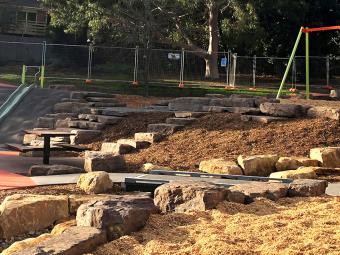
(307, 31)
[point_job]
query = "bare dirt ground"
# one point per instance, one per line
(296, 226)
(335, 104)
(138, 101)
(128, 126)
(226, 136)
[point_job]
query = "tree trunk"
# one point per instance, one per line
(211, 69)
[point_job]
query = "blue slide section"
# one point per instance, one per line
(13, 100)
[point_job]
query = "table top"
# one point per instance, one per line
(50, 133)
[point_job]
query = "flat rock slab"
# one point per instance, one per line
(138, 145)
(194, 104)
(102, 100)
(243, 110)
(81, 124)
(262, 119)
(307, 188)
(215, 109)
(71, 107)
(149, 137)
(180, 121)
(116, 217)
(83, 136)
(107, 120)
(101, 104)
(75, 201)
(283, 110)
(74, 241)
(41, 170)
(164, 129)
(300, 173)
(183, 196)
(253, 190)
(189, 114)
(292, 163)
(108, 112)
(117, 148)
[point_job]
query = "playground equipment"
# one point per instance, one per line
(291, 59)
(40, 71)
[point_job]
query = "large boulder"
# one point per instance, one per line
(253, 190)
(328, 156)
(307, 188)
(283, 110)
(292, 163)
(300, 173)
(259, 165)
(20, 214)
(117, 217)
(220, 166)
(102, 161)
(324, 112)
(40, 170)
(182, 196)
(74, 241)
(95, 182)
(75, 201)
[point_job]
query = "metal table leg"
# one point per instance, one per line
(47, 149)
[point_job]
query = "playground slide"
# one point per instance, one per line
(13, 100)
(25, 114)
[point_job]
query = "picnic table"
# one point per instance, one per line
(47, 134)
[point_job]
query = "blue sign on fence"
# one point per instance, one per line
(224, 62)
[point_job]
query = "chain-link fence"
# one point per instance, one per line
(162, 66)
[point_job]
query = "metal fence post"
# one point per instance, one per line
(327, 70)
(89, 63)
(43, 63)
(135, 71)
(254, 72)
(181, 77)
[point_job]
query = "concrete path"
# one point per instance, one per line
(332, 190)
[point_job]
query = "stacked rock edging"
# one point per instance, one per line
(322, 161)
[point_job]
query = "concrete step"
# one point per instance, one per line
(164, 128)
(262, 119)
(82, 124)
(180, 121)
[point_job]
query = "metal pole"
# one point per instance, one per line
(181, 77)
(43, 63)
(89, 63)
(307, 67)
(289, 63)
(228, 67)
(23, 75)
(135, 72)
(254, 72)
(327, 70)
(234, 69)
